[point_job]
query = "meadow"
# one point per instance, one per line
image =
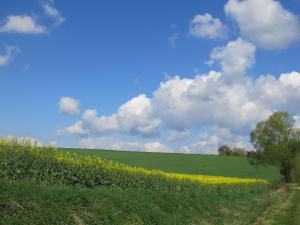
(44, 185)
(24, 202)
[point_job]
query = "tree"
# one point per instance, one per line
(277, 142)
(238, 152)
(224, 150)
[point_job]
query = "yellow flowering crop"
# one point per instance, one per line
(26, 161)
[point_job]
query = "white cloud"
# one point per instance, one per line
(69, 106)
(7, 57)
(265, 22)
(279, 94)
(209, 143)
(227, 103)
(178, 135)
(98, 124)
(228, 110)
(290, 79)
(54, 13)
(115, 144)
(133, 117)
(156, 147)
(75, 129)
(208, 100)
(22, 24)
(205, 26)
(235, 58)
(137, 116)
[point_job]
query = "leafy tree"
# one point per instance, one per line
(224, 150)
(277, 142)
(238, 152)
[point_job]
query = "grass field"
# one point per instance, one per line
(49, 186)
(186, 163)
(23, 202)
(284, 210)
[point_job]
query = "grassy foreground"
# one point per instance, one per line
(185, 163)
(23, 202)
(285, 208)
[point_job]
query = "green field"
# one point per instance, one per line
(186, 163)
(49, 186)
(23, 202)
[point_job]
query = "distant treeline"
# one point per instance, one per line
(225, 150)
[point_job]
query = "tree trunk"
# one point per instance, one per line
(287, 174)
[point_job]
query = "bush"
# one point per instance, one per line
(49, 165)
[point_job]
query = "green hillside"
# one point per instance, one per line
(185, 163)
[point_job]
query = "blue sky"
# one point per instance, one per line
(162, 75)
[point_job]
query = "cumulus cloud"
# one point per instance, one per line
(75, 129)
(205, 26)
(207, 100)
(178, 135)
(22, 24)
(7, 57)
(209, 143)
(68, 105)
(279, 94)
(51, 11)
(228, 110)
(133, 117)
(265, 22)
(235, 58)
(115, 144)
(137, 116)
(227, 103)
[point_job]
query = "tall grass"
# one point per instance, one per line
(24, 160)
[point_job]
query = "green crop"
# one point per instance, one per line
(24, 160)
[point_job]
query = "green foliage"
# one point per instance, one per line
(23, 202)
(284, 210)
(297, 169)
(224, 150)
(48, 165)
(240, 152)
(277, 143)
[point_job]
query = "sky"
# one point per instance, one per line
(163, 76)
